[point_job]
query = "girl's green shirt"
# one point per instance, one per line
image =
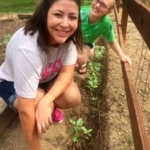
(91, 32)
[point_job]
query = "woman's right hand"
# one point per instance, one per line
(43, 115)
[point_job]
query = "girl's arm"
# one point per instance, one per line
(117, 49)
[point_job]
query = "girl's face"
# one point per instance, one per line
(62, 21)
(101, 7)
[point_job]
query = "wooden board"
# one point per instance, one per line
(140, 15)
(6, 116)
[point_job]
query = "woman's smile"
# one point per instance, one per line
(62, 32)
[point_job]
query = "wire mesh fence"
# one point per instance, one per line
(142, 83)
(140, 69)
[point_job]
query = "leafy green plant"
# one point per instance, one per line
(93, 81)
(130, 140)
(17, 6)
(100, 50)
(79, 131)
(94, 65)
(130, 143)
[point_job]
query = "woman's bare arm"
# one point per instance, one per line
(26, 110)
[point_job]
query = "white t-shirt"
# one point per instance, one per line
(27, 66)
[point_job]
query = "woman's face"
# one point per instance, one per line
(62, 21)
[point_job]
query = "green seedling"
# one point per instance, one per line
(100, 50)
(95, 66)
(79, 131)
(130, 140)
(130, 143)
(93, 81)
(5, 41)
(93, 75)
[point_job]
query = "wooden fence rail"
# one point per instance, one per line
(140, 15)
(142, 22)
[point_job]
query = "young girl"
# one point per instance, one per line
(95, 23)
(36, 77)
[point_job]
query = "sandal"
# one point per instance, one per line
(82, 69)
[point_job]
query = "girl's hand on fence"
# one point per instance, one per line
(126, 59)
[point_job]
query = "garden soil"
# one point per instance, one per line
(112, 130)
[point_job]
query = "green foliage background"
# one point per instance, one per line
(16, 6)
(23, 6)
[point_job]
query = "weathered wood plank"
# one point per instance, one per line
(140, 15)
(140, 135)
(139, 132)
(24, 16)
(5, 118)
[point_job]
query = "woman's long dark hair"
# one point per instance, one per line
(38, 22)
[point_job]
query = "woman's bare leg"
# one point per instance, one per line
(71, 97)
(83, 58)
(39, 96)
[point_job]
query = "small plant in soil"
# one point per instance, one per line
(93, 74)
(130, 143)
(79, 131)
(5, 41)
(80, 134)
(99, 52)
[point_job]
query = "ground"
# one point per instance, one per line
(110, 121)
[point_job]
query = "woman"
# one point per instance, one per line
(37, 74)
